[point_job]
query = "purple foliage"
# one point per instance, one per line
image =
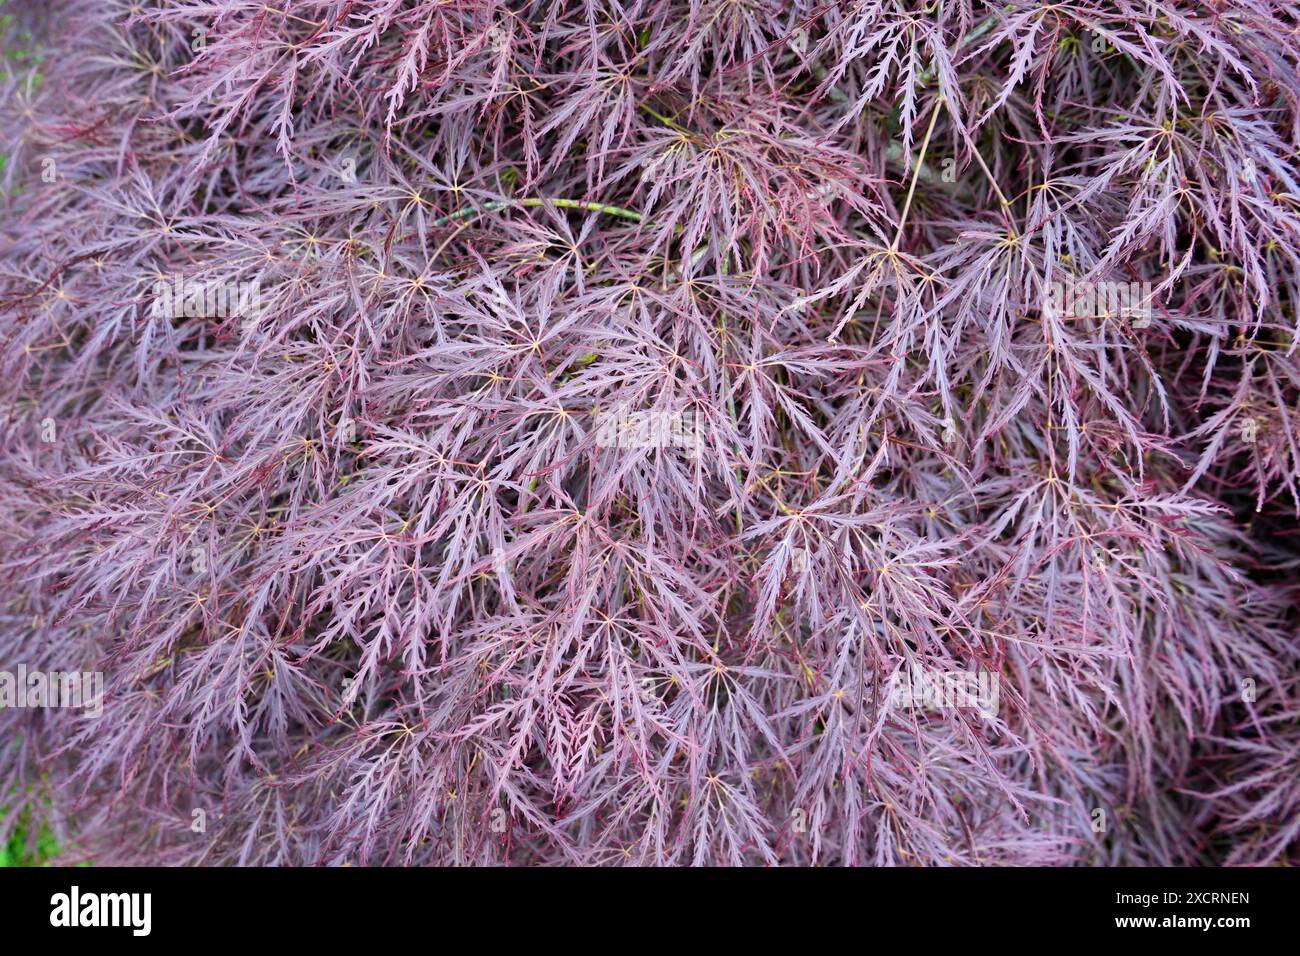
(468, 431)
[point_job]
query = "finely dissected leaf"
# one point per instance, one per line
(477, 432)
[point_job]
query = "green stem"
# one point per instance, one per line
(920, 161)
(469, 211)
(665, 120)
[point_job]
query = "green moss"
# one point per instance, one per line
(19, 852)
